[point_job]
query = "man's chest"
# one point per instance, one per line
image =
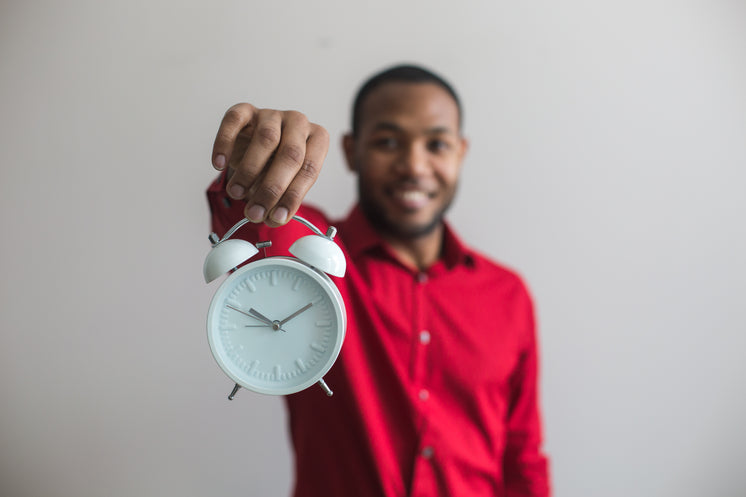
(453, 331)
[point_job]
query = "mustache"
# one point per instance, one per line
(412, 184)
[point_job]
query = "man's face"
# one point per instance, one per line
(407, 155)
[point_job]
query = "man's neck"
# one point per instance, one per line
(418, 253)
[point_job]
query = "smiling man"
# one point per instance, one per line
(436, 385)
(407, 149)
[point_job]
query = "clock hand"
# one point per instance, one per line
(261, 317)
(253, 313)
(296, 313)
(276, 325)
(237, 309)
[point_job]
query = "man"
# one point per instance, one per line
(436, 384)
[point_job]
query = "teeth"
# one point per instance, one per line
(413, 196)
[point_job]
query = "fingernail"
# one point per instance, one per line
(237, 191)
(255, 213)
(219, 162)
(279, 215)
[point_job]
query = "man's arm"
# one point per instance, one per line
(525, 467)
(273, 157)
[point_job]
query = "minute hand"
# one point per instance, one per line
(305, 308)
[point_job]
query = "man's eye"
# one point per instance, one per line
(386, 142)
(438, 145)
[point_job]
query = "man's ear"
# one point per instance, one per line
(348, 146)
(464, 144)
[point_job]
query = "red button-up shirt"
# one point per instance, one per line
(435, 389)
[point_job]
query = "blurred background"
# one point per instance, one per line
(607, 165)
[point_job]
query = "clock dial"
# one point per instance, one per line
(276, 325)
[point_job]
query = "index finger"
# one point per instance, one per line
(235, 119)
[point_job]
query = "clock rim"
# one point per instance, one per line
(291, 263)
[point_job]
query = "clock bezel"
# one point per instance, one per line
(328, 286)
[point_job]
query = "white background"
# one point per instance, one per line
(607, 166)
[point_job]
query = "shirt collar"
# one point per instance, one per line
(360, 236)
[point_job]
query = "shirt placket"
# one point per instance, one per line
(423, 481)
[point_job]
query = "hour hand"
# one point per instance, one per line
(253, 313)
(275, 325)
(261, 317)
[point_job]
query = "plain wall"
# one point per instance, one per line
(607, 165)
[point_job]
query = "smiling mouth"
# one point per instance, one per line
(412, 199)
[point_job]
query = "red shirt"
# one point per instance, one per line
(435, 389)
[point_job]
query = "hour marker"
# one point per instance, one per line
(252, 366)
(299, 362)
(273, 278)
(250, 286)
(322, 324)
(297, 283)
(318, 347)
(278, 371)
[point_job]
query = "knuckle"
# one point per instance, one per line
(235, 115)
(292, 153)
(268, 136)
(309, 170)
(292, 197)
(321, 132)
(232, 116)
(244, 176)
(222, 137)
(297, 117)
(270, 191)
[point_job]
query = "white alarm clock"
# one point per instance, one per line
(276, 325)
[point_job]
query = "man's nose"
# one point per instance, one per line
(414, 159)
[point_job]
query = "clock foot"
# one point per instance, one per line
(325, 387)
(234, 391)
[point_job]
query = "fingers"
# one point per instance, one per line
(294, 179)
(236, 119)
(258, 147)
(275, 158)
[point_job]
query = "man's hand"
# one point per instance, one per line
(274, 158)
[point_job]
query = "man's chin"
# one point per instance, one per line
(399, 222)
(412, 228)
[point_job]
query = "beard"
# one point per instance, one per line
(399, 228)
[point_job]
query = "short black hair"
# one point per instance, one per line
(404, 73)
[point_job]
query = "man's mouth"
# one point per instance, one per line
(412, 199)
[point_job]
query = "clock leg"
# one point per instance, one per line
(234, 391)
(325, 387)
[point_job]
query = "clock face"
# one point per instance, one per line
(276, 325)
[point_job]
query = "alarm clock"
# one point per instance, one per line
(276, 325)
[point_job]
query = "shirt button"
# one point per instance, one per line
(424, 337)
(428, 452)
(424, 394)
(421, 277)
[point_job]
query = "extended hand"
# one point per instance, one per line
(275, 158)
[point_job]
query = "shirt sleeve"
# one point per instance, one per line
(225, 212)
(525, 467)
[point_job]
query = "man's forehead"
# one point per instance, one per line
(395, 127)
(399, 104)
